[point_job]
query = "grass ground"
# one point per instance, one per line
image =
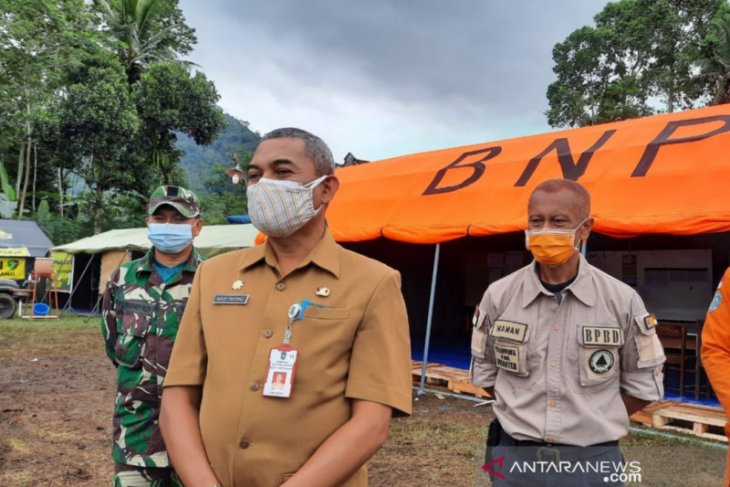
(57, 389)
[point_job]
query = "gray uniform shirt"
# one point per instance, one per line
(558, 369)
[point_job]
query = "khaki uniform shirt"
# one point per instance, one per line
(358, 347)
(558, 369)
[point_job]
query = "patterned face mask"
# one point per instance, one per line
(280, 208)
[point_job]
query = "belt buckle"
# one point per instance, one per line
(548, 449)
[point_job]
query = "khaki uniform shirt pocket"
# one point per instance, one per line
(324, 331)
(649, 350)
(511, 357)
(511, 342)
(479, 337)
(599, 360)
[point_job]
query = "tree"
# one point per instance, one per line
(223, 198)
(716, 61)
(98, 119)
(149, 36)
(94, 92)
(169, 99)
(594, 84)
(37, 38)
(145, 31)
(640, 58)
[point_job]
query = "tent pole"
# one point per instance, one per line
(429, 321)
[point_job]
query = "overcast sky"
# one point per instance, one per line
(382, 78)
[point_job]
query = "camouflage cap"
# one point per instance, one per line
(183, 200)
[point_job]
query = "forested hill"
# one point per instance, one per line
(199, 160)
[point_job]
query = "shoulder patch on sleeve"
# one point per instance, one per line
(716, 300)
(649, 321)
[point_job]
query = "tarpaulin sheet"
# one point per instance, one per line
(666, 174)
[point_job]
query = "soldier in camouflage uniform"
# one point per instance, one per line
(142, 307)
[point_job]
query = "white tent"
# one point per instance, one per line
(213, 240)
(96, 257)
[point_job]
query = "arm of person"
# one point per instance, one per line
(379, 386)
(633, 404)
(348, 448)
(182, 395)
(716, 342)
(109, 317)
(483, 369)
(181, 433)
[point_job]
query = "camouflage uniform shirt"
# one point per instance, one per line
(140, 318)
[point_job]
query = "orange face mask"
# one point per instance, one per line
(553, 246)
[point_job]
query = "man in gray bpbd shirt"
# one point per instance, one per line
(568, 351)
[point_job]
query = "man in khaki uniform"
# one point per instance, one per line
(568, 351)
(328, 323)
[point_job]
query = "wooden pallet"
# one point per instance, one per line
(646, 416)
(439, 374)
(449, 378)
(466, 387)
(701, 421)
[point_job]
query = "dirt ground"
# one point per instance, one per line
(57, 390)
(56, 395)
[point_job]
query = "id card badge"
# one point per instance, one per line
(280, 375)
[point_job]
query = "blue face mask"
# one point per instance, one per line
(170, 238)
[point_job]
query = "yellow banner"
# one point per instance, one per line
(63, 268)
(12, 269)
(14, 252)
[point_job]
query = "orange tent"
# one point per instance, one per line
(663, 174)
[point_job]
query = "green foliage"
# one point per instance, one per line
(43, 214)
(641, 58)
(145, 31)
(60, 230)
(197, 160)
(98, 119)
(715, 61)
(222, 198)
(37, 39)
(63, 230)
(169, 99)
(5, 183)
(94, 92)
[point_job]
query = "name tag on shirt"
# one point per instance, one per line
(509, 330)
(139, 307)
(598, 335)
(280, 376)
(230, 299)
